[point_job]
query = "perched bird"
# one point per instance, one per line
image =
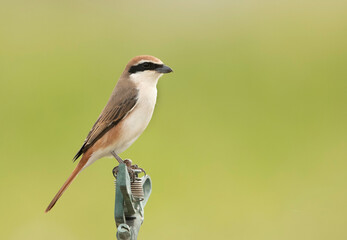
(125, 116)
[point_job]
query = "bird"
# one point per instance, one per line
(125, 116)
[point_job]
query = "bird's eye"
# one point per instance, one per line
(146, 65)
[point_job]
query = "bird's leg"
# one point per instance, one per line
(117, 157)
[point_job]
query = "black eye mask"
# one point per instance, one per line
(144, 66)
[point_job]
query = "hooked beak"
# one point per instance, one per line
(164, 69)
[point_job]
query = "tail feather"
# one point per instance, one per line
(73, 175)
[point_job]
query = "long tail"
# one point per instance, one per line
(75, 172)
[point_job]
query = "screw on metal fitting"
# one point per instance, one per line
(136, 183)
(137, 189)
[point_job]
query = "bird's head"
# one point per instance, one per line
(146, 68)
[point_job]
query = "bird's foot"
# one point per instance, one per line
(133, 170)
(130, 170)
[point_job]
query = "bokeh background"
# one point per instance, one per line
(248, 139)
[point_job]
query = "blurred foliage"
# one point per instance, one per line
(248, 139)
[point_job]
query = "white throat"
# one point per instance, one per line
(145, 79)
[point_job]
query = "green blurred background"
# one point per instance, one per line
(248, 139)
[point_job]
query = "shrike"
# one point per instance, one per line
(125, 116)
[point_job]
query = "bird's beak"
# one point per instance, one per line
(164, 69)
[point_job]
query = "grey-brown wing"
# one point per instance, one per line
(116, 109)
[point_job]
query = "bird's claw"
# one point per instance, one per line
(131, 168)
(115, 171)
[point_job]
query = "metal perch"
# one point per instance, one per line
(132, 193)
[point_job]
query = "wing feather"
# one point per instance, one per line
(118, 106)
